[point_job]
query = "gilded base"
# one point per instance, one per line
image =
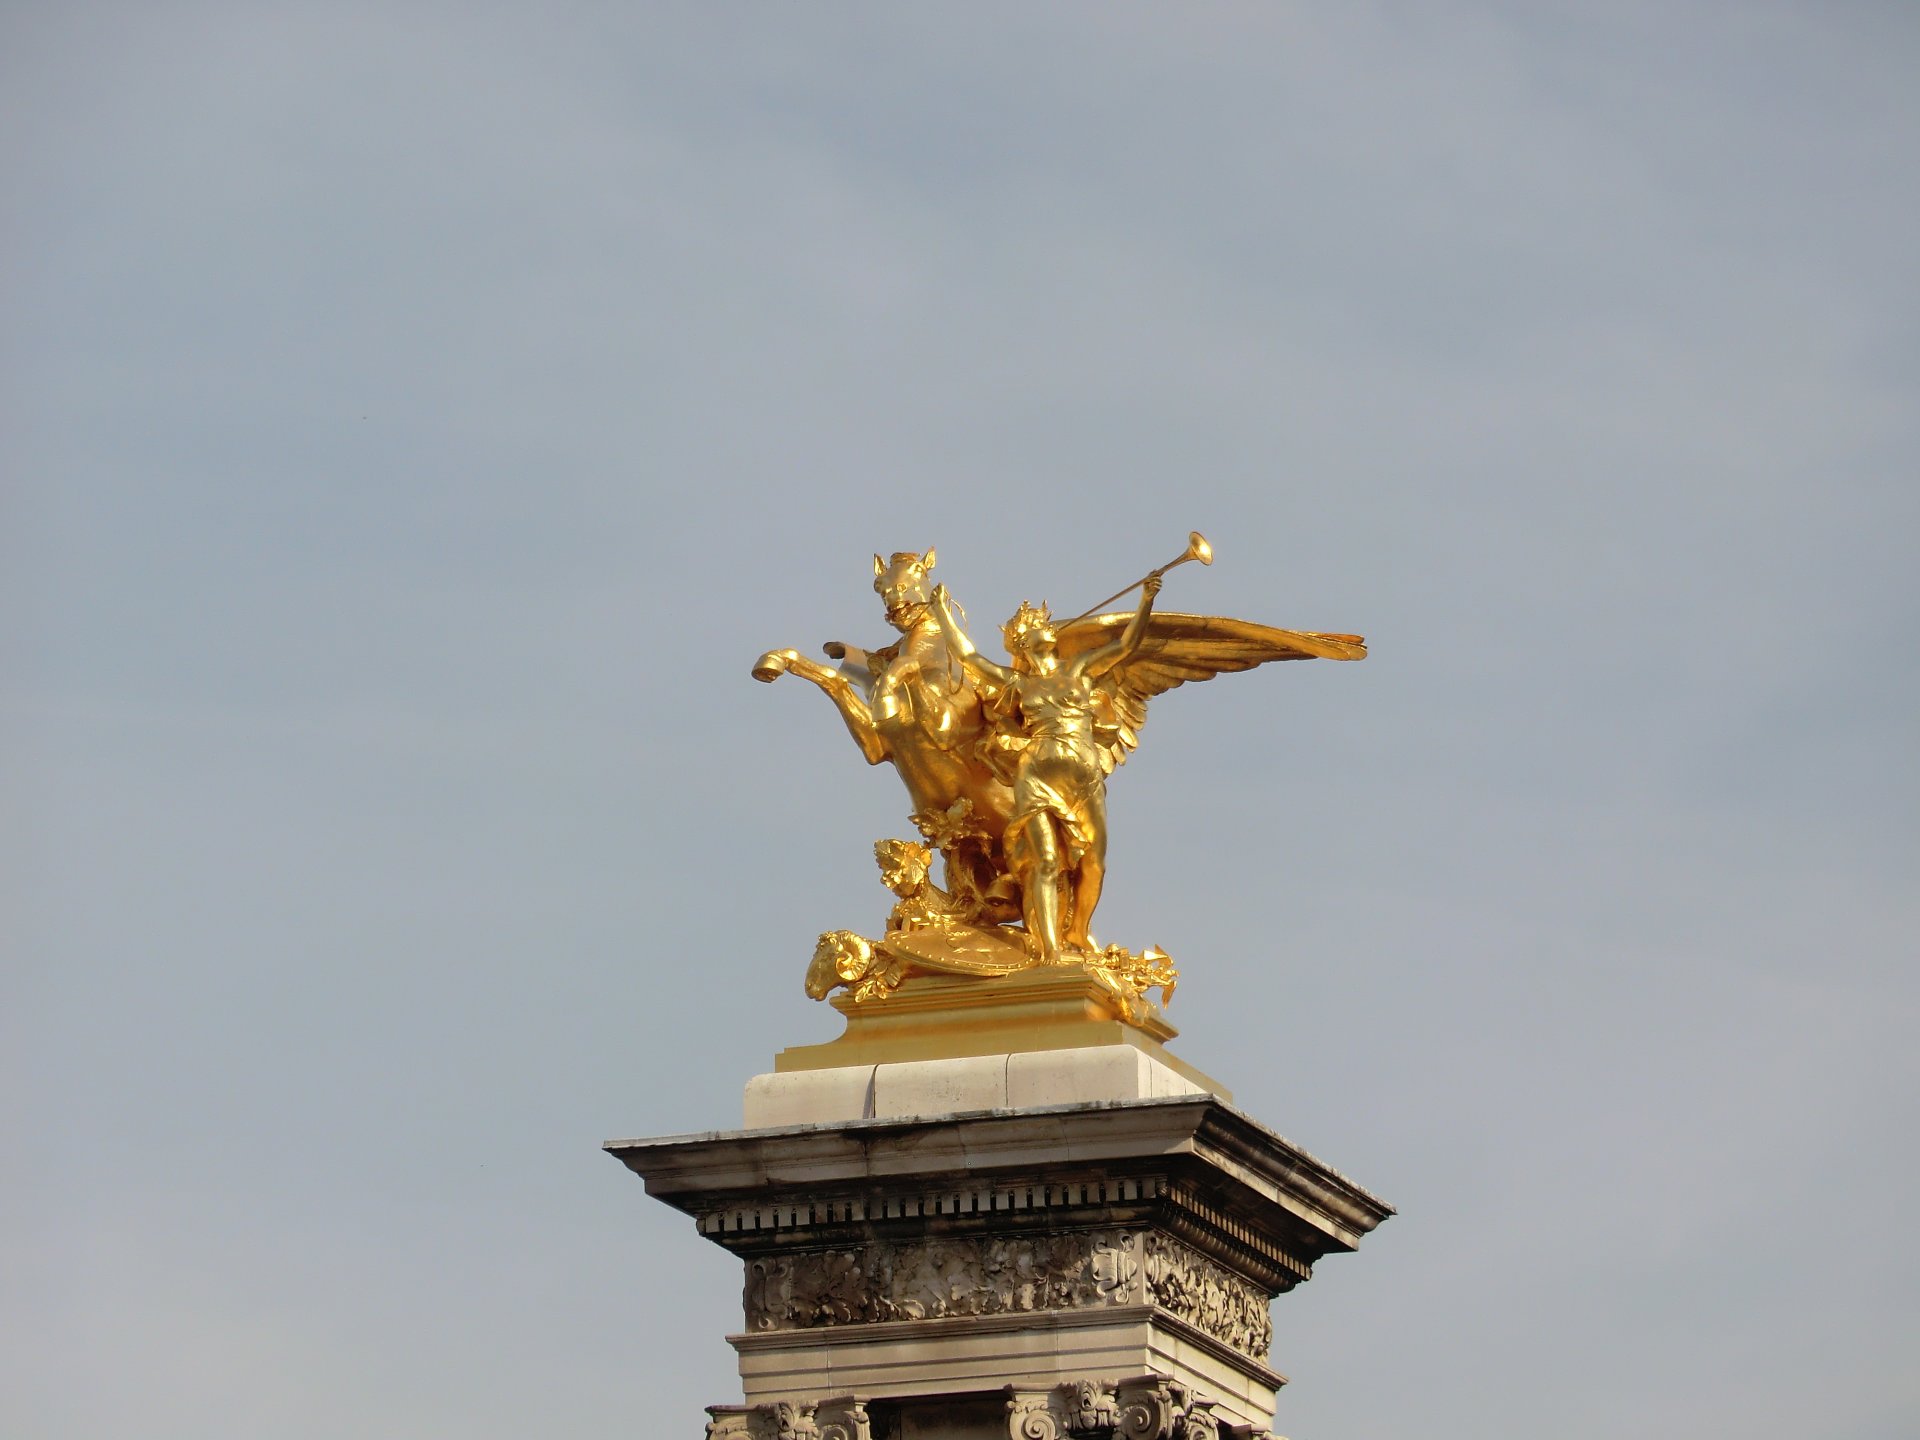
(940, 1017)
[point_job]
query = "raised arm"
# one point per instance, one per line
(977, 666)
(1098, 662)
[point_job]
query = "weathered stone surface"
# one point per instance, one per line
(1191, 1165)
(1005, 1274)
(936, 1278)
(955, 1272)
(1207, 1295)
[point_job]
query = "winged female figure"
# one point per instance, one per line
(1069, 708)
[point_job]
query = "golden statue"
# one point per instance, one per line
(909, 703)
(1007, 766)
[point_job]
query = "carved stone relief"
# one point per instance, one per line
(935, 1279)
(1208, 1296)
(1006, 1275)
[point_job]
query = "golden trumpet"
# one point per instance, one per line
(1197, 549)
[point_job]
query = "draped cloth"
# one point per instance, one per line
(1060, 774)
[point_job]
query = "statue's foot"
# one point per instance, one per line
(1040, 954)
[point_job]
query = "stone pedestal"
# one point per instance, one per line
(1027, 1243)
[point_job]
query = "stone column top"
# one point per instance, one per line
(1242, 1166)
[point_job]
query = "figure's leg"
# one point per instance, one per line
(1089, 876)
(1035, 856)
(1087, 881)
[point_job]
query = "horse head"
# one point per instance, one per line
(902, 586)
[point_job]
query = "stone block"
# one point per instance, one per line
(809, 1097)
(1099, 1074)
(1095, 1075)
(940, 1087)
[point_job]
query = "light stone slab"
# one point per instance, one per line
(921, 1088)
(810, 1097)
(918, 1089)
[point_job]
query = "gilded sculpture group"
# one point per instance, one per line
(1006, 767)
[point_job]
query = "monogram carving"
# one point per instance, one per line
(935, 1279)
(1208, 1296)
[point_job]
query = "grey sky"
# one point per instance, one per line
(418, 417)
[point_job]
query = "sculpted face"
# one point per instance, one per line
(902, 585)
(1036, 650)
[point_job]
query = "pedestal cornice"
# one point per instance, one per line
(1252, 1165)
(1191, 1165)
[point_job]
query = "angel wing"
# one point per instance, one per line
(1178, 649)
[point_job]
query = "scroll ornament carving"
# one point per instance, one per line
(1147, 1412)
(1149, 1408)
(1208, 1296)
(844, 1420)
(1033, 1417)
(937, 1279)
(1154, 1408)
(1197, 1422)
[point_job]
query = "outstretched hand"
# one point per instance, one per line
(1151, 585)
